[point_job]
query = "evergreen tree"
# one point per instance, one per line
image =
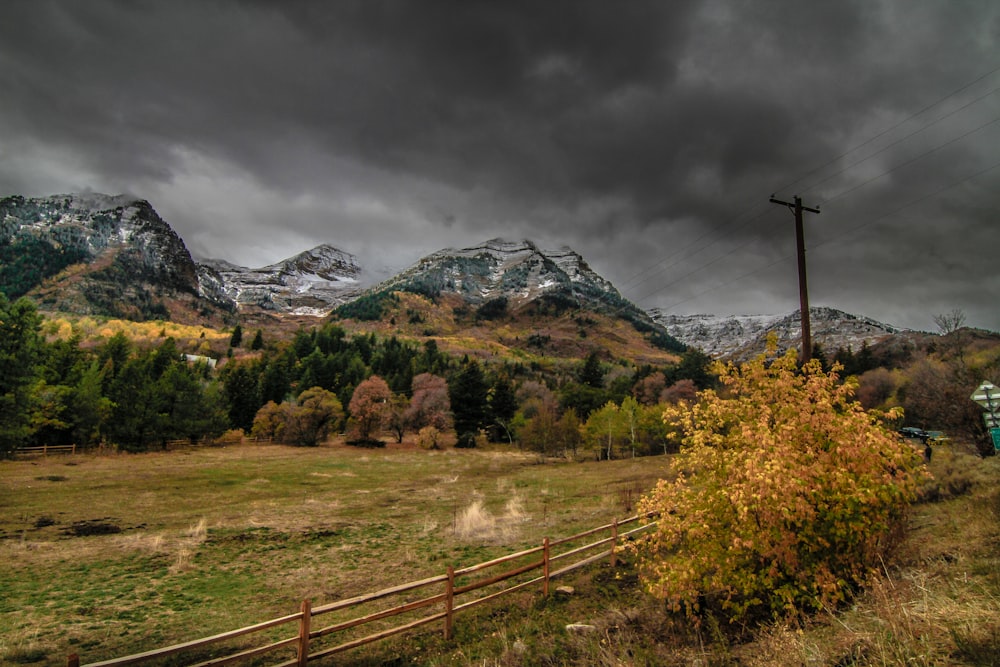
(275, 380)
(258, 341)
(503, 407)
(20, 349)
(114, 354)
(583, 398)
(136, 418)
(431, 360)
(305, 341)
(243, 396)
(591, 373)
(694, 365)
(468, 392)
(90, 408)
(237, 337)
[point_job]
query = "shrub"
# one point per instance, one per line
(429, 438)
(787, 493)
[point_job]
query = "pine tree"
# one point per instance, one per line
(468, 393)
(503, 407)
(237, 337)
(591, 373)
(243, 396)
(20, 349)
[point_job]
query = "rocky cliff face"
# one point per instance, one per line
(114, 255)
(97, 254)
(745, 336)
(311, 283)
(517, 271)
(502, 277)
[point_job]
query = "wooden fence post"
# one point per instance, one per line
(449, 602)
(73, 660)
(545, 566)
(614, 541)
(304, 623)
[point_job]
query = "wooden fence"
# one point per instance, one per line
(450, 587)
(45, 450)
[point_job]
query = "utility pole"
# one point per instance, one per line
(800, 247)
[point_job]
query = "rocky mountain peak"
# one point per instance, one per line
(313, 282)
(744, 336)
(133, 258)
(518, 271)
(509, 277)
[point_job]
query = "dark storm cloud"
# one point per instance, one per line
(647, 135)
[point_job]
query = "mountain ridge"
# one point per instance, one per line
(97, 254)
(313, 282)
(740, 337)
(93, 253)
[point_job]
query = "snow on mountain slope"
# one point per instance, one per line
(745, 336)
(313, 282)
(519, 271)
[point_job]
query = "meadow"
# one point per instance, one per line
(107, 555)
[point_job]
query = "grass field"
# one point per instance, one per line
(110, 555)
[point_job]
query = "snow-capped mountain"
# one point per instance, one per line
(313, 282)
(516, 279)
(745, 336)
(114, 255)
(97, 254)
(517, 271)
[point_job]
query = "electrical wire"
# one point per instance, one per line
(665, 263)
(837, 238)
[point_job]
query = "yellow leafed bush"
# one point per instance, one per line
(787, 492)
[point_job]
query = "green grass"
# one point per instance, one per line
(215, 539)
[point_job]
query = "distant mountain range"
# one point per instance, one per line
(744, 336)
(114, 255)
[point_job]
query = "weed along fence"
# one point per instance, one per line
(318, 632)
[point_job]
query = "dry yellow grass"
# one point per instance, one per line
(218, 538)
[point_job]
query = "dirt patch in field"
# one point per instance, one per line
(88, 527)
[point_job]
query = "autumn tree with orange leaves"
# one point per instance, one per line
(369, 406)
(786, 494)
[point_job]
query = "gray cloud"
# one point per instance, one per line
(646, 135)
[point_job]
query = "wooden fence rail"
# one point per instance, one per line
(445, 599)
(45, 450)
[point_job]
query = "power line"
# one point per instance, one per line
(914, 159)
(704, 266)
(835, 197)
(902, 139)
(890, 129)
(836, 238)
(665, 264)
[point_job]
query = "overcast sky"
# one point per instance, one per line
(647, 136)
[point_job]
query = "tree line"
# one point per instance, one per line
(321, 382)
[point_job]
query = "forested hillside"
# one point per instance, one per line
(137, 392)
